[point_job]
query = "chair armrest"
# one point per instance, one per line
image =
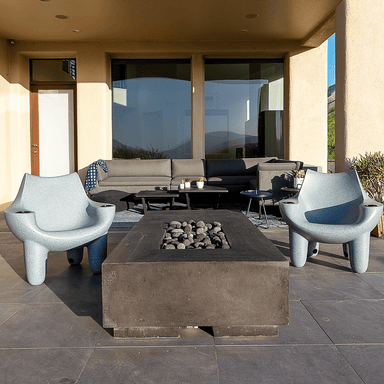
(101, 174)
(21, 222)
(371, 210)
(101, 212)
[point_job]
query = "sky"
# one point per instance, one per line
(331, 60)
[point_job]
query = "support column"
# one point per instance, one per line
(306, 106)
(359, 80)
(198, 108)
(18, 134)
(94, 109)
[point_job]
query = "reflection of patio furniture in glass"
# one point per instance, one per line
(257, 194)
(157, 194)
(206, 189)
(55, 214)
(331, 208)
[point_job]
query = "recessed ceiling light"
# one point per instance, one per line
(62, 17)
(251, 16)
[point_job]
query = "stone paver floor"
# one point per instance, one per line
(53, 333)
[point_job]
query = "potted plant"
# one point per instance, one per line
(298, 178)
(200, 182)
(181, 186)
(187, 183)
(370, 169)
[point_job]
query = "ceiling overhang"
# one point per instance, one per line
(199, 22)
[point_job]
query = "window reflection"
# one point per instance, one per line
(244, 108)
(151, 108)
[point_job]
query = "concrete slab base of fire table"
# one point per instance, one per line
(154, 292)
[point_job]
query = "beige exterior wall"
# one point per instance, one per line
(14, 121)
(306, 106)
(305, 97)
(5, 126)
(94, 111)
(94, 105)
(359, 79)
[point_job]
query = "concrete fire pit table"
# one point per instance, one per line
(154, 292)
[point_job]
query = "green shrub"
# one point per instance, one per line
(123, 152)
(331, 134)
(370, 169)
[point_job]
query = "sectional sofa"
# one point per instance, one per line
(132, 176)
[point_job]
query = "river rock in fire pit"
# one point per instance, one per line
(194, 235)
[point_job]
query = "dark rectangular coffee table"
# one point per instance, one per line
(148, 291)
(145, 196)
(206, 189)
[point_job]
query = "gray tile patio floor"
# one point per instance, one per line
(53, 333)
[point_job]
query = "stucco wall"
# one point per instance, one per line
(5, 131)
(94, 108)
(94, 113)
(359, 79)
(306, 106)
(14, 121)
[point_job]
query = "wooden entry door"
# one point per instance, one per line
(53, 130)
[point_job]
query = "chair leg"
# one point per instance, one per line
(75, 256)
(313, 248)
(359, 253)
(97, 253)
(346, 250)
(299, 248)
(35, 258)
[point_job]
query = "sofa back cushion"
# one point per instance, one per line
(233, 167)
(188, 167)
(299, 164)
(283, 167)
(133, 167)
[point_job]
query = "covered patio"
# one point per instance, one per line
(290, 31)
(53, 332)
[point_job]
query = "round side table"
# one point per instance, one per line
(257, 194)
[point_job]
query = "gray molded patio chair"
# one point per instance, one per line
(55, 214)
(331, 208)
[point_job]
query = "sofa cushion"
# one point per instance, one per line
(274, 176)
(115, 181)
(230, 180)
(299, 164)
(283, 167)
(191, 168)
(133, 167)
(229, 167)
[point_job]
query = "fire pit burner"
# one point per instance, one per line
(194, 235)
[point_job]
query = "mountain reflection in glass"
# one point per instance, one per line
(244, 106)
(151, 108)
